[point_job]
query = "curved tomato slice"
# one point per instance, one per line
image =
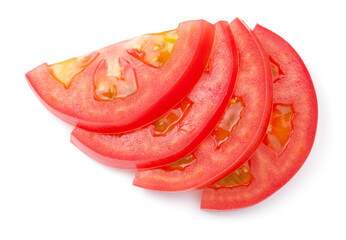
(239, 132)
(128, 84)
(289, 137)
(181, 130)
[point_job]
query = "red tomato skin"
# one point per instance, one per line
(210, 166)
(180, 73)
(271, 172)
(211, 96)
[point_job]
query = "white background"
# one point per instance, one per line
(50, 190)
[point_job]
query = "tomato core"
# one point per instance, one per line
(229, 120)
(240, 177)
(114, 80)
(172, 118)
(67, 70)
(154, 49)
(280, 127)
(180, 165)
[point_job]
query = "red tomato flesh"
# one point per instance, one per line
(128, 84)
(181, 130)
(239, 132)
(290, 135)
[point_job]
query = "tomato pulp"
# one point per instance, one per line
(289, 138)
(237, 135)
(128, 84)
(183, 128)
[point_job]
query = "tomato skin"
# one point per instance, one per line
(254, 86)
(271, 171)
(76, 105)
(210, 97)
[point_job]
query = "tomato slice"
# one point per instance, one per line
(128, 84)
(182, 129)
(239, 132)
(290, 135)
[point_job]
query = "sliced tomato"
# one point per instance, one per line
(129, 84)
(289, 138)
(182, 129)
(237, 135)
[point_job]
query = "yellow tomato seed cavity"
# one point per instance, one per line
(280, 128)
(114, 80)
(154, 49)
(240, 177)
(67, 70)
(172, 118)
(231, 117)
(180, 165)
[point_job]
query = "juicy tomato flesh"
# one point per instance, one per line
(240, 177)
(172, 118)
(180, 165)
(115, 80)
(154, 49)
(230, 119)
(67, 70)
(280, 128)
